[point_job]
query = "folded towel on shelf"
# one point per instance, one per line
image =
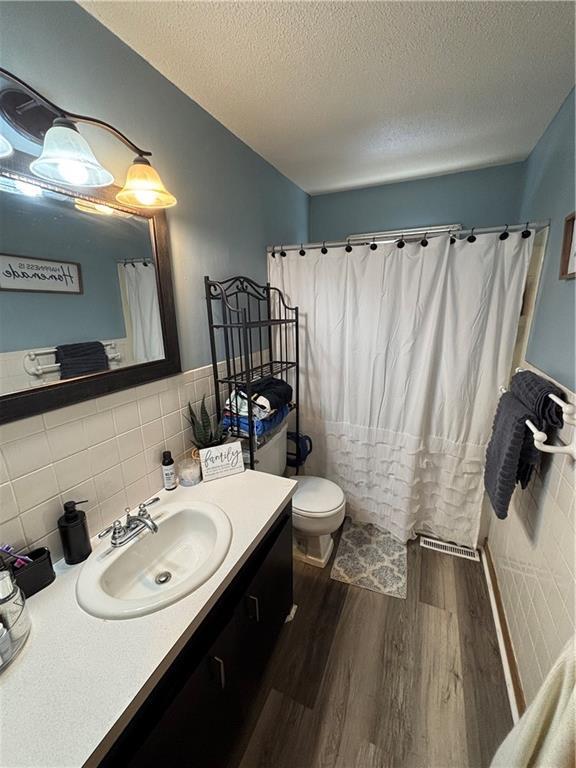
(274, 392)
(511, 454)
(238, 403)
(533, 391)
(82, 358)
(261, 426)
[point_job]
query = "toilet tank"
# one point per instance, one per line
(271, 457)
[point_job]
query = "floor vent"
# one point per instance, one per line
(449, 549)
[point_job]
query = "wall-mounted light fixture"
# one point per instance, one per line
(66, 156)
(144, 187)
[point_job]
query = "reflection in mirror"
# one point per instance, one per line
(78, 288)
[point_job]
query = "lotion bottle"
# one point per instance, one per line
(73, 529)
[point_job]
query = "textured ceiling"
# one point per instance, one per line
(344, 94)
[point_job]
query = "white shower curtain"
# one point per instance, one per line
(142, 296)
(402, 355)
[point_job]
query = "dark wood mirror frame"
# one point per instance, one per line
(24, 403)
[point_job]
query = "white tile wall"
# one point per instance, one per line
(107, 450)
(534, 556)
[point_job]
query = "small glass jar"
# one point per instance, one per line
(14, 619)
(189, 472)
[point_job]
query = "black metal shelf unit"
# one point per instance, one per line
(254, 333)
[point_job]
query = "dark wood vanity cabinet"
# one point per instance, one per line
(194, 714)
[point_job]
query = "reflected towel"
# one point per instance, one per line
(81, 359)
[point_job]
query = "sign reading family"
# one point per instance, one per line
(19, 273)
(221, 460)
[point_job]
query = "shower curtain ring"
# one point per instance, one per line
(504, 235)
(373, 245)
(282, 252)
(401, 243)
(451, 236)
(324, 250)
(526, 233)
(348, 248)
(302, 252)
(471, 237)
(424, 241)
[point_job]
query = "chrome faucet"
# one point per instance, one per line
(122, 533)
(142, 518)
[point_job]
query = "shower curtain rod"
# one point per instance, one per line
(390, 236)
(147, 262)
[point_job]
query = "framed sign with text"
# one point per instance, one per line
(20, 273)
(221, 460)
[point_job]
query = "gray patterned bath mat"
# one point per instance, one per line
(369, 557)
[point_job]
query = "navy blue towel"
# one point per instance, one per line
(533, 391)
(277, 391)
(511, 454)
(81, 359)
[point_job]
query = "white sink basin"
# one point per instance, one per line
(122, 582)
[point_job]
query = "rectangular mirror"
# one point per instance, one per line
(86, 303)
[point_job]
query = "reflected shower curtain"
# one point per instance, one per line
(402, 355)
(142, 297)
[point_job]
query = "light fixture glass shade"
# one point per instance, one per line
(67, 159)
(5, 147)
(144, 187)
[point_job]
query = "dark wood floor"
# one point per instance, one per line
(363, 680)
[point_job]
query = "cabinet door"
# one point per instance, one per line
(268, 599)
(265, 605)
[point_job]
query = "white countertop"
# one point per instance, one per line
(79, 679)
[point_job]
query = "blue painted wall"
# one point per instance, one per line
(541, 187)
(472, 198)
(231, 202)
(549, 193)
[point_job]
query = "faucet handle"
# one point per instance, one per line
(142, 511)
(143, 507)
(117, 529)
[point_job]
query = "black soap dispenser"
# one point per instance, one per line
(74, 533)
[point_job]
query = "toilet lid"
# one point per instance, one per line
(315, 494)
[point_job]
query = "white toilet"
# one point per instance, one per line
(318, 506)
(318, 509)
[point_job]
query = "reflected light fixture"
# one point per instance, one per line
(88, 207)
(29, 190)
(67, 158)
(5, 147)
(144, 187)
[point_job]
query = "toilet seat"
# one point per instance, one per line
(317, 497)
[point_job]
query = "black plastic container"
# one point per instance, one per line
(74, 533)
(34, 576)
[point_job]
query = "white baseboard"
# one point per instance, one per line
(500, 636)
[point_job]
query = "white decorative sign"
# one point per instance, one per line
(19, 273)
(221, 460)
